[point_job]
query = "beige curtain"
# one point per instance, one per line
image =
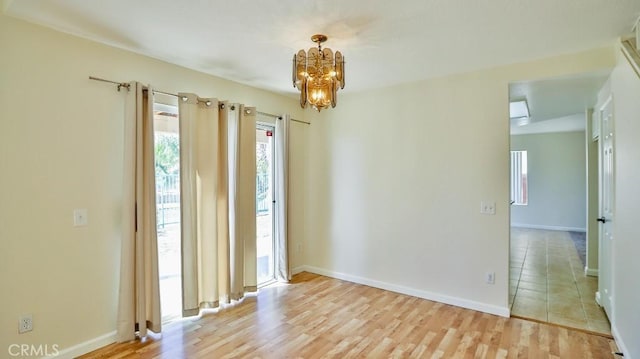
(210, 245)
(242, 200)
(139, 295)
(281, 229)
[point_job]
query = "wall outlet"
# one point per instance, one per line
(490, 278)
(488, 207)
(80, 217)
(25, 323)
(299, 248)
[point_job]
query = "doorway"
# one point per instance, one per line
(265, 195)
(549, 227)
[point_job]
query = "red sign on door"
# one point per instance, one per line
(269, 133)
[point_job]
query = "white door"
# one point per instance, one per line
(606, 170)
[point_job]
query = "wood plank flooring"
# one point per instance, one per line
(320, 317)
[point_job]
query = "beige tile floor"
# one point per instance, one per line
(547, 281)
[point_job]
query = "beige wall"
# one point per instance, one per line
(397, 176)
(61, 148)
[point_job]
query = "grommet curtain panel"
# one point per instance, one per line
(242, 200)
(139, 294)
(217, 179)
(281, 230)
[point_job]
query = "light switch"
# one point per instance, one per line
(80, 217)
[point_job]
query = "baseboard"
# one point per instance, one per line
(297, 270)
(550, 228)
(621, 346)
(458, 302)
(86, 347)
(590, 272)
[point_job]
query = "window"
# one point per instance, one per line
(519, 192)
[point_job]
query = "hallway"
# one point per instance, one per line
(547, 281)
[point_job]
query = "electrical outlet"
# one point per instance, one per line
(487, 207)
(490, 277)
(25, 324)
(299, 248)
(80, 217)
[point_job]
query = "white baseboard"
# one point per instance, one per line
(86, 347)
(458, 302)
(550, 228)
(297, 270)
(590, 272)
(621, 346)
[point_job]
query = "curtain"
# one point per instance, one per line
(216, 234)
(242, 200)
(199, 186)
(282, 271)
(139, 295)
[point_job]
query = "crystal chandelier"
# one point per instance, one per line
(318, 75)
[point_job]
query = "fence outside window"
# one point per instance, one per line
(262, 193)
(168, 197)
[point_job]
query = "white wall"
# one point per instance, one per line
(556, 181)
(60, 149)
(625, 87)
(396, 178)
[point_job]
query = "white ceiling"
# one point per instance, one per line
(384, 42)
(557, 104)
(569, 123)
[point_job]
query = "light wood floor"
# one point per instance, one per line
(320, 317)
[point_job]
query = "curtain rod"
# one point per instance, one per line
(280, 117)
(120, 84)
(127, 86)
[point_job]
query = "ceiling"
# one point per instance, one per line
(384, 42)
(556, 104)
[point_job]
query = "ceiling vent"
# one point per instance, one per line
(518, 109)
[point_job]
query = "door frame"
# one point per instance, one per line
(265, 126)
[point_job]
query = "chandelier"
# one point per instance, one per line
(318, 75)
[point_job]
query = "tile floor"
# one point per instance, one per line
(547, 281)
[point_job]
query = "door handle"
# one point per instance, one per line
(602, 219)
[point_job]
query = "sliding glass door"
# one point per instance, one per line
(167, 155)
(265, 202)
